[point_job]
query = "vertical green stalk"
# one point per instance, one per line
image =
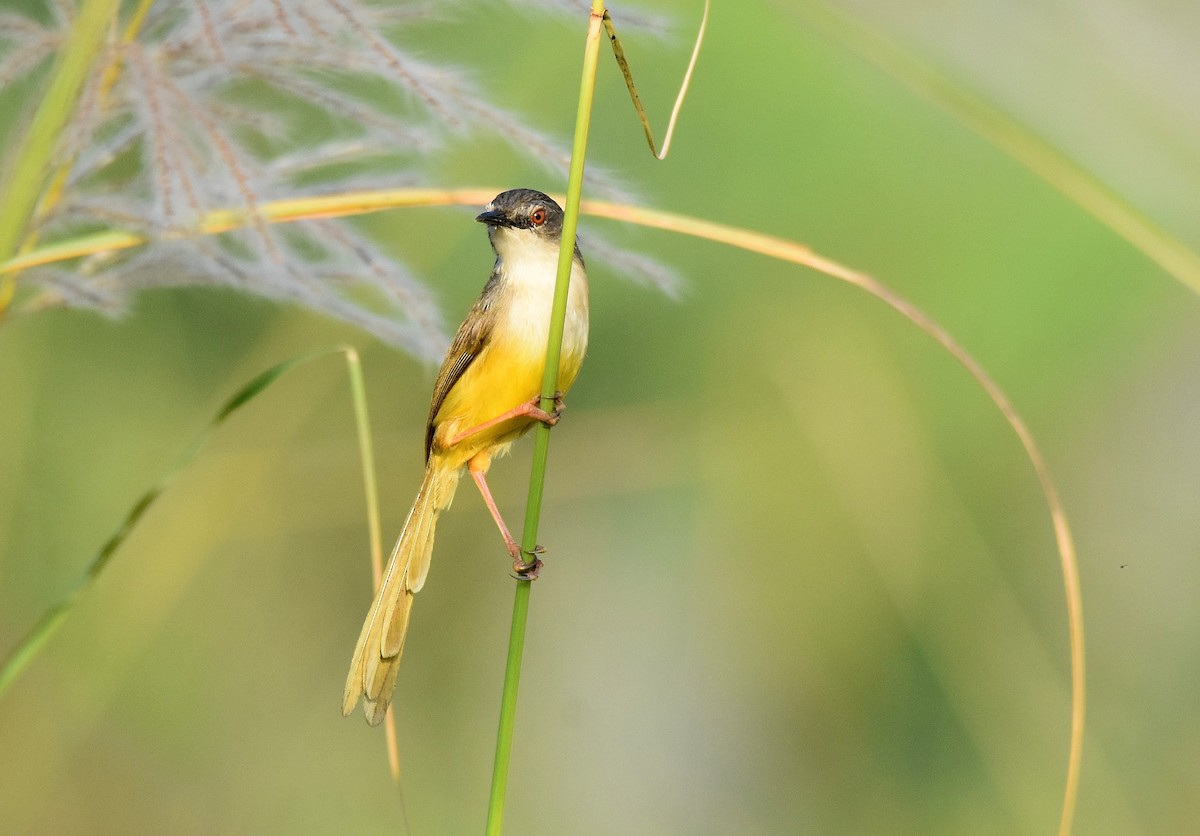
(32, 160)
(537, 479)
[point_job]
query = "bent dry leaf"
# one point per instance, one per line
(619, 54)
(798, 254)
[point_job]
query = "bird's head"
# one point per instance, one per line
(523, 211)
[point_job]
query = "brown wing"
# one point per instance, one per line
(472, 336)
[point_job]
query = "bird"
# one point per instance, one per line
(486, 396)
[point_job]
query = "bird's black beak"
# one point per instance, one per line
(492, 218)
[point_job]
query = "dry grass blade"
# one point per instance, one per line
(346, 204)
(799, 254)
(619, 54)
(358, 392)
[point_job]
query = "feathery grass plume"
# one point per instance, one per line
(221, 103)
(25, 43)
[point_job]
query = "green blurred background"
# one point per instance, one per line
(800, 579)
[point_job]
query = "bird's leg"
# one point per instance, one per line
(526, 571)
(532, 409)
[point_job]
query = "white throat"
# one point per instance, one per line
(529, 265)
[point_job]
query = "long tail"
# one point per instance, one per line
(381, 643)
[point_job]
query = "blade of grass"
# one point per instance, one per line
(44, 629)
(1015, 139)
(362, 426)
(32, 159)
(537, 478)
(1069, 566)
(54, 191)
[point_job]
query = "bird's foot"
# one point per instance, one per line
(523, 571)
(527, 570)
(534, 410)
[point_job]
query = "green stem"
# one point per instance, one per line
(32, 160)
(537, 479)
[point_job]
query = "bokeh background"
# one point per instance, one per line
(800, 579)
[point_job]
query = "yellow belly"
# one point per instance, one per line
(508, 371)
(501, 378)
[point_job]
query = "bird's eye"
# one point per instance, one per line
(538, 216)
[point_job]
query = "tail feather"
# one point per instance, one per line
(437, 493)
(380, 645)
(380, 666)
